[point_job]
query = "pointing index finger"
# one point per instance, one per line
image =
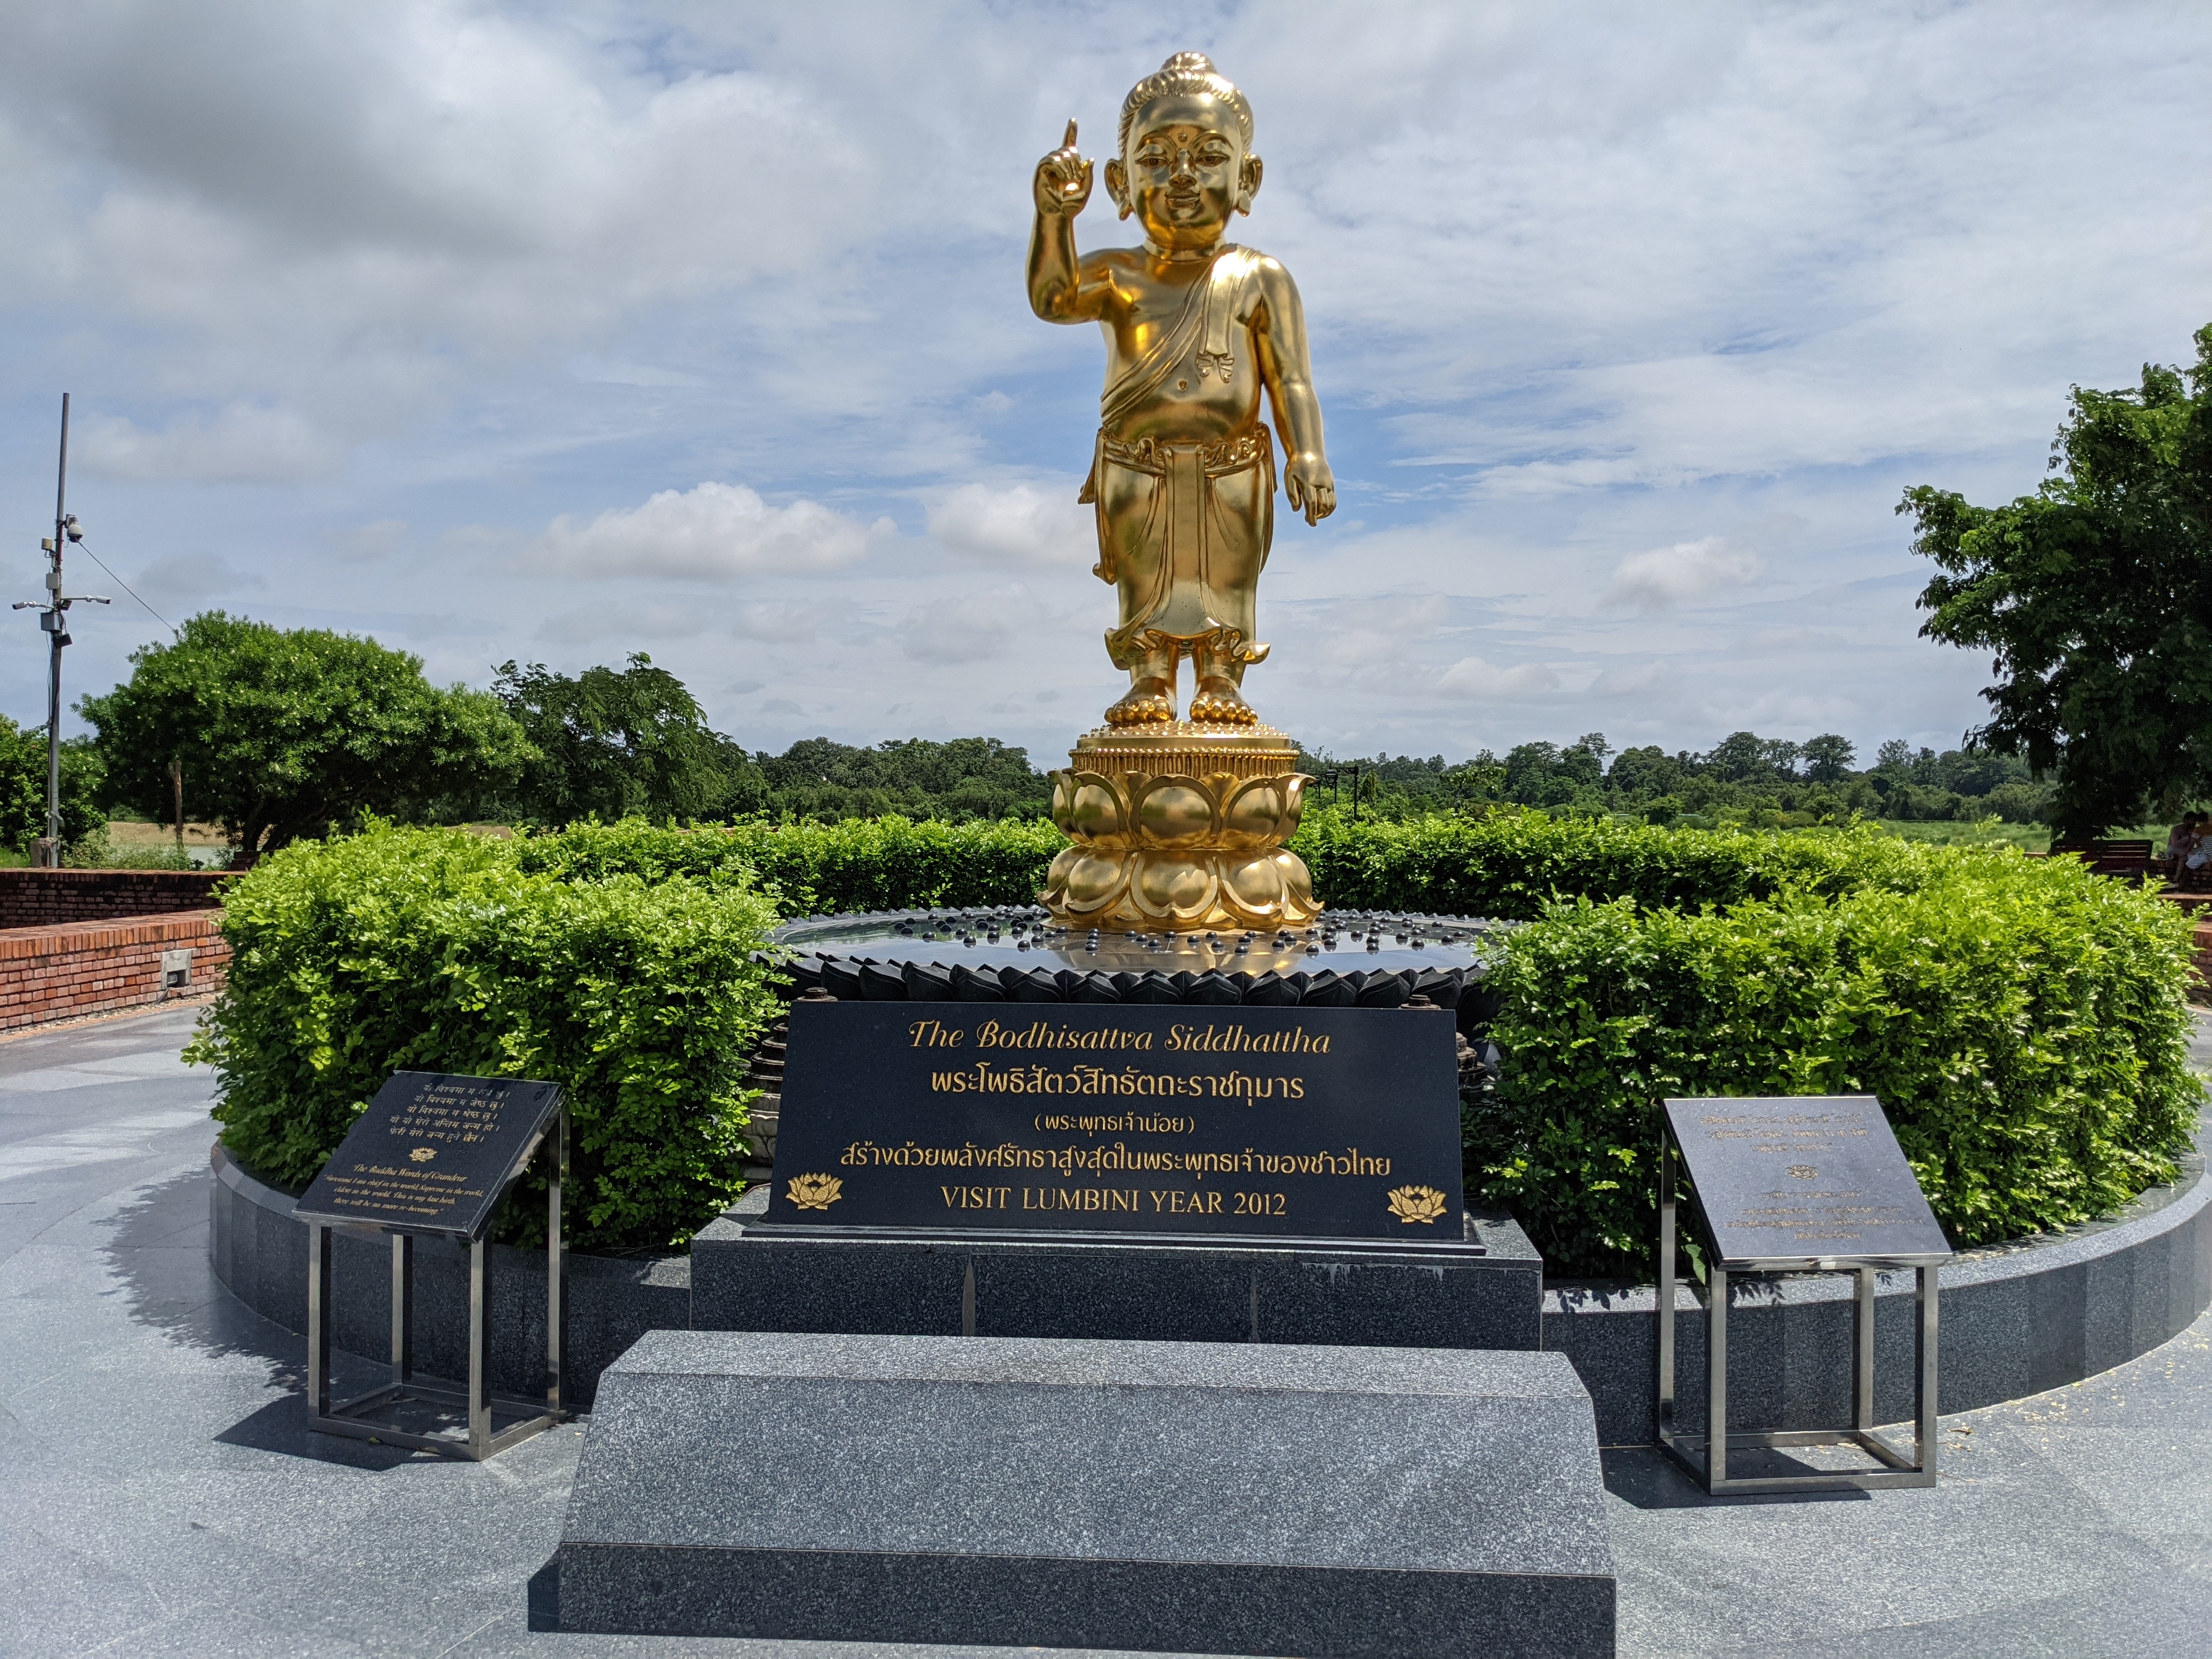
(1069, 142)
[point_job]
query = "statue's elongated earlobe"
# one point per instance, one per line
(1247, 182)
(1117, 187)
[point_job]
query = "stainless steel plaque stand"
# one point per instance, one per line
(353, 1417)
(1705, 1456)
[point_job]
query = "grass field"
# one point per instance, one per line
(2028, 837)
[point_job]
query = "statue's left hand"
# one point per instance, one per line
(1311, 487)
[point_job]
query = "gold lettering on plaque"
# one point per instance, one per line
(1422, 1203)
(813, 1192)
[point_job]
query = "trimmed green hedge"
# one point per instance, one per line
(436, 949)
(2023, 1023)
(1514, 861)
(870, 864)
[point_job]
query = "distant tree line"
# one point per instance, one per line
(1744, 778)
(614, 742)
(280, 733)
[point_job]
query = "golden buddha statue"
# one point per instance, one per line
(1183, 472)
(1181, 823)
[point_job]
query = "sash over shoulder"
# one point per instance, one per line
(1203, 333)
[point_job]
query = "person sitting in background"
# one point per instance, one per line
(2189, 850)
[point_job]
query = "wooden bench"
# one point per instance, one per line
(2111, 858)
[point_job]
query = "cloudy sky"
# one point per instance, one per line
(558, 332)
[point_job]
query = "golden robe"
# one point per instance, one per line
(1184, 528)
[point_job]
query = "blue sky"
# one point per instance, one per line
(558, 332)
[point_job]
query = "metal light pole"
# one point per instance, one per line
(53, 619)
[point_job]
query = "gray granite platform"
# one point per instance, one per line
(1164, 1290)
(1255, 1498)
(160, 1495)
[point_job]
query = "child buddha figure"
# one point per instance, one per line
(1183, 473)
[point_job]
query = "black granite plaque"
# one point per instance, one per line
(1803, 1178)
(1266, 1122)
(432, 1153)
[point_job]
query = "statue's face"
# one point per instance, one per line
(1185, 171)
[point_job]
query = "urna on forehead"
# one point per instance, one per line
(1188, 76)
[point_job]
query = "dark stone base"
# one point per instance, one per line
(750, 1278)
(1187, 1498)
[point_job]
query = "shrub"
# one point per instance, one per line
(1513, 862)
(2022, 1022)
(866, 864)
(439, 951)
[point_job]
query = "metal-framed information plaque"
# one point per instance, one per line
(433, 1155)
(1797, 1183)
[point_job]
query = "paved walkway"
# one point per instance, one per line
(158, 1495)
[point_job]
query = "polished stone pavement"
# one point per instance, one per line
(158, 1494)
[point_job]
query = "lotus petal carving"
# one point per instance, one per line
(1178, 850)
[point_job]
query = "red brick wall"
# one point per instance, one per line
(92, 967)
(42, 898)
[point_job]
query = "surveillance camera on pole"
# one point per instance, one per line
(53, 619)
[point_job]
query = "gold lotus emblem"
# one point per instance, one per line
(1422, 1204)
(423, 1154)
(813, 1192)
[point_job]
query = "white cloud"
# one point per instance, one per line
(971, 628)
(1666, 576)
(1021, 524)
(243, 443)
(711, 533)
(1471, 676)
(1371, 633)
(635, 626)
(1579, 293)
(1639, 681)
(370, 542)
(788, 621)
(182, 581)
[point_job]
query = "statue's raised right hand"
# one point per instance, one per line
(1063, 179)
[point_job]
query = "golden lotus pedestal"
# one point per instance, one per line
(1180, 828)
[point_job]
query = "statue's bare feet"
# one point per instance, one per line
(1218, 703)
(1148, 700)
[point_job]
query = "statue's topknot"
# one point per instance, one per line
(1187, 72)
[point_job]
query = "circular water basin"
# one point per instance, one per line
(1026, 938)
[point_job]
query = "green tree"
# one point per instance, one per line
(619, 743)
(1828, 757)
(2095, 593)
(283, 731)
(23, 787)
(962, 778)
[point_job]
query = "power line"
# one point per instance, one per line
(125, 586)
